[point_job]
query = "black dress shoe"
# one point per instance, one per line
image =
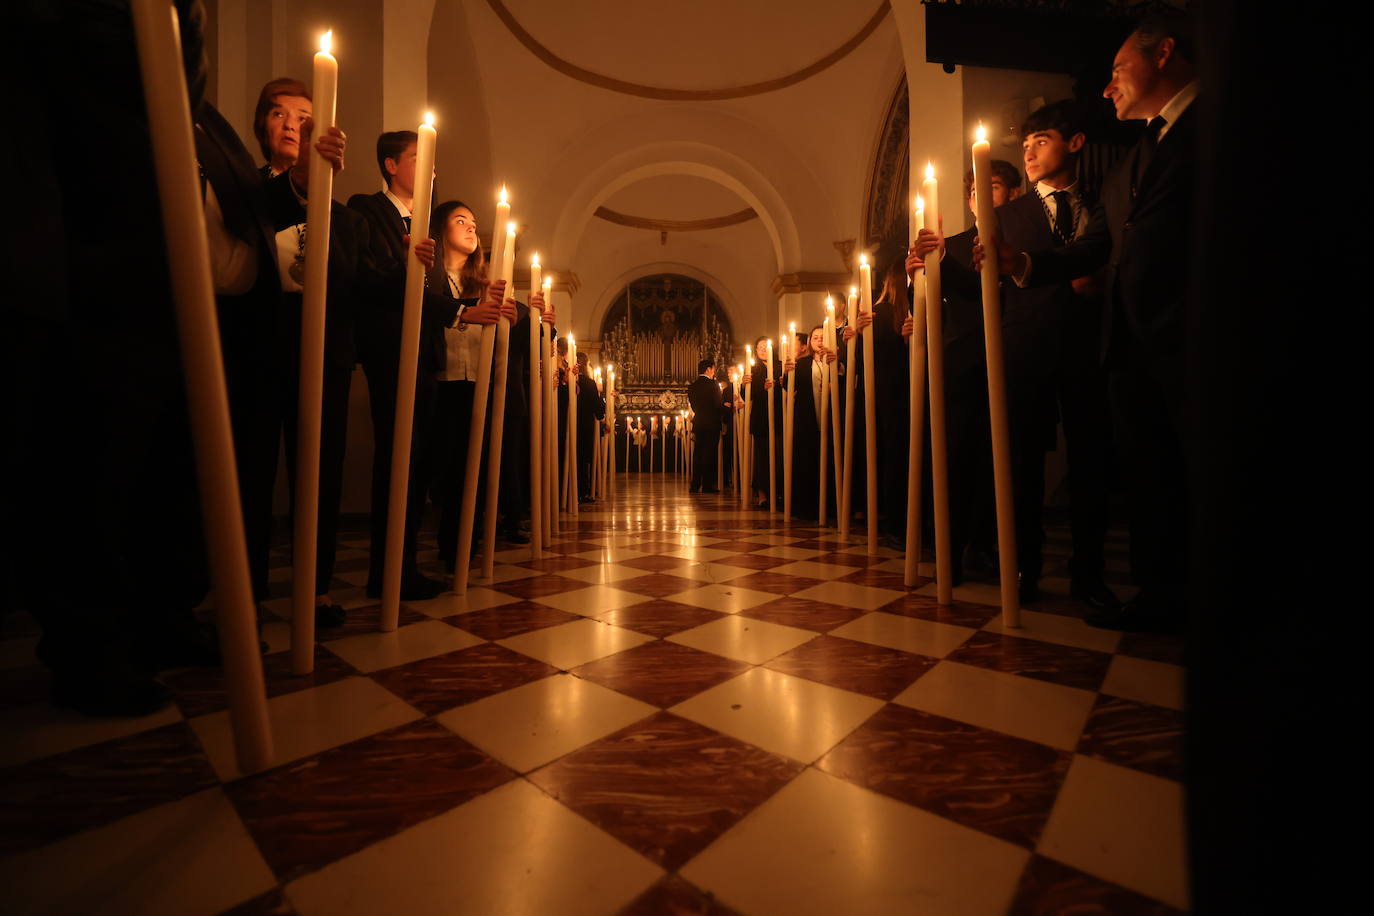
(330, 615)
(1139, 617)
(109, 694)
(1095, 594)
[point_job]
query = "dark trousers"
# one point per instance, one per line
(101, 446)
(1146, 413)
(381, 372)
(1086, 414)
(704, 459)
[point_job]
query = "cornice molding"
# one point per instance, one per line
(811, 281)
(581, 74)
(564, 281)
(676, 225)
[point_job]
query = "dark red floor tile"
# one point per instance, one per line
(433, 685)
(673, 896)
(820, 616)
(661, 673)
(874, 671)
(778, 583)
(199, 691)
(45, 800)
(557, 564)
(655, 585)
(982, 779)
(1156, 647)
(1136, 735)
(1050, 888)
(1043, 661)
(510, 619)
(666, 787)
(656, 563)
(754, 560)
(661, 616)
(880, 578)
(538, 586)
(958, 613)
(307, 814)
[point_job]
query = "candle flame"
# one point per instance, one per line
(930, 172)
(502, 197)
(570, 340)
(830, 303)
(792, 326)
(327, 42)
(920, 202)
(548, 282)
(510, 228)
(863, 260)
(534, 261)
(980, 134)
(748, 349)
(429, 119)
(853, 291)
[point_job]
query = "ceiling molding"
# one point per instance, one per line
(676, 225)
(811, 281)
(602, 81)
(564, 281)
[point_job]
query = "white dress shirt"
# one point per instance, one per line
(233, 262)
(461, 342)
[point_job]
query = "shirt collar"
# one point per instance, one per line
(396, 202)
(1045, 190)
(1175, 107)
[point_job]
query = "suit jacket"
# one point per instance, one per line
(965, 351)
(705, 397)
(758, 413)
(1140, 238)
(382, 293)
(591, 408)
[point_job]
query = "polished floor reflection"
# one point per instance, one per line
(685, 707)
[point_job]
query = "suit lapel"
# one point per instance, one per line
(1166, 153)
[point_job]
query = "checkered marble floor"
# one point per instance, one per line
(684, 707)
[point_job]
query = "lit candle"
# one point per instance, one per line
(310, 392)
(572, 426)
(939, 468)
(536, 419)
(997, 383)
(846, 497)
(550, 426)
(408, 362)
(789, 401)
(823, 408)
(772, 431)
(188, 262)
(916, 358)
(833, 384)
(870, 404)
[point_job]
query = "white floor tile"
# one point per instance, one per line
(576, 642)
(743, 638)
(1140, 679)
(909, 634)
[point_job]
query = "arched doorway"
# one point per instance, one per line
(656, 331)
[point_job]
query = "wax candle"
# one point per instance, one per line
(310, 392)
(536, 419)
(997, 384)
(939, 470)
(408, 362)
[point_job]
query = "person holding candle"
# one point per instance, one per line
(591, 410)
(460, 275)
(1141, 230)
(759, 419)
(379, 342)
(281, 124)
(968, 437)
(807, 377)
(890, 376)
(705, 397)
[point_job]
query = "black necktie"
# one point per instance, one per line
(1063, 217)
(406, 220)
(1145, 151)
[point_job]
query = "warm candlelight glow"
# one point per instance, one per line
(510, 227)
(980, 134)
(930, 172)
(853, 291)
(570, 340)
(429, 119)
(863, 260)
(920, 202)
(548, 283)
(534, 261)
(830, 305)
(502, 198)
(327, 42)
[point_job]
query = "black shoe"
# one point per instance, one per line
(1028, 592)
(110, 694)
(1095, 594)
(1139, 617)
(330, 615)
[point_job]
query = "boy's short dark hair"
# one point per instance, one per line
(1064, 117)
(704, 365)
(391, 145)
(1001, 168)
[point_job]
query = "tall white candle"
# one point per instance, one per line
(500, 367)
(916, 357)
(939, 469)
(997, 383)
(310, 394)
(870, 404)
(408, 361)
(536, 418)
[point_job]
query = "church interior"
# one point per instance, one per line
(684, 703)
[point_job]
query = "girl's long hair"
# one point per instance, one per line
(473, 276)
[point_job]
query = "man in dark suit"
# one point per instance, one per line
(1141, 232)
(705, 398)
(591, 410)
(1051, 341)
(380, 309)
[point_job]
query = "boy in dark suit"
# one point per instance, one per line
(705, 398)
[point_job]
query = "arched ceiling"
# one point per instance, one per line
(690, 48)
(675, 197)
